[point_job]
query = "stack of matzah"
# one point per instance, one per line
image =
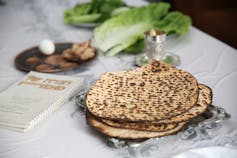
(152, 101)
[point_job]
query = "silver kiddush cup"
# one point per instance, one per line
(155, 45)
(155, 49)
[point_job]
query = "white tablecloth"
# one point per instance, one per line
(65, 134)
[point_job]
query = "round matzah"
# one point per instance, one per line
(144, 126)
(154, 92)
(128, 133)
(204, 100)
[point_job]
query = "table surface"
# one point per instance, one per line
(65, 134)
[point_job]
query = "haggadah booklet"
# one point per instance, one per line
(35, 97)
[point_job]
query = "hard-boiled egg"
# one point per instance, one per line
(47, 47)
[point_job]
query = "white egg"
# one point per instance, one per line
(47, 47)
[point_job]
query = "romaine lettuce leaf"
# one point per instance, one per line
(174, 22)
(94, 11)
(82, 19)
(106, 7)
(123, 30)
(136, 47)
(79, 9)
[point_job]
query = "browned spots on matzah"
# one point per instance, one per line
(196, 110)
(152, 101)
(163, 94)
(144, 126)
(128, 133)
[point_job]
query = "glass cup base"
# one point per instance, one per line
(169, 58)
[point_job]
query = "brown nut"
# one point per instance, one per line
(80, 50)
(68, 65)
(87, 43)
(44, 68)
(33, 61)
(82, 47)
(88, 54)
(54, 60)
(69, 55)
(75, 46)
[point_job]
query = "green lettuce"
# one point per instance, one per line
(79, 9)
(174, 22)
(136, 47)
(106, 7)
(125, 32)
(125, 29)
(94, 11)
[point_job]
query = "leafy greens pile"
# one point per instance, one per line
(125, 32)
(96, 11)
